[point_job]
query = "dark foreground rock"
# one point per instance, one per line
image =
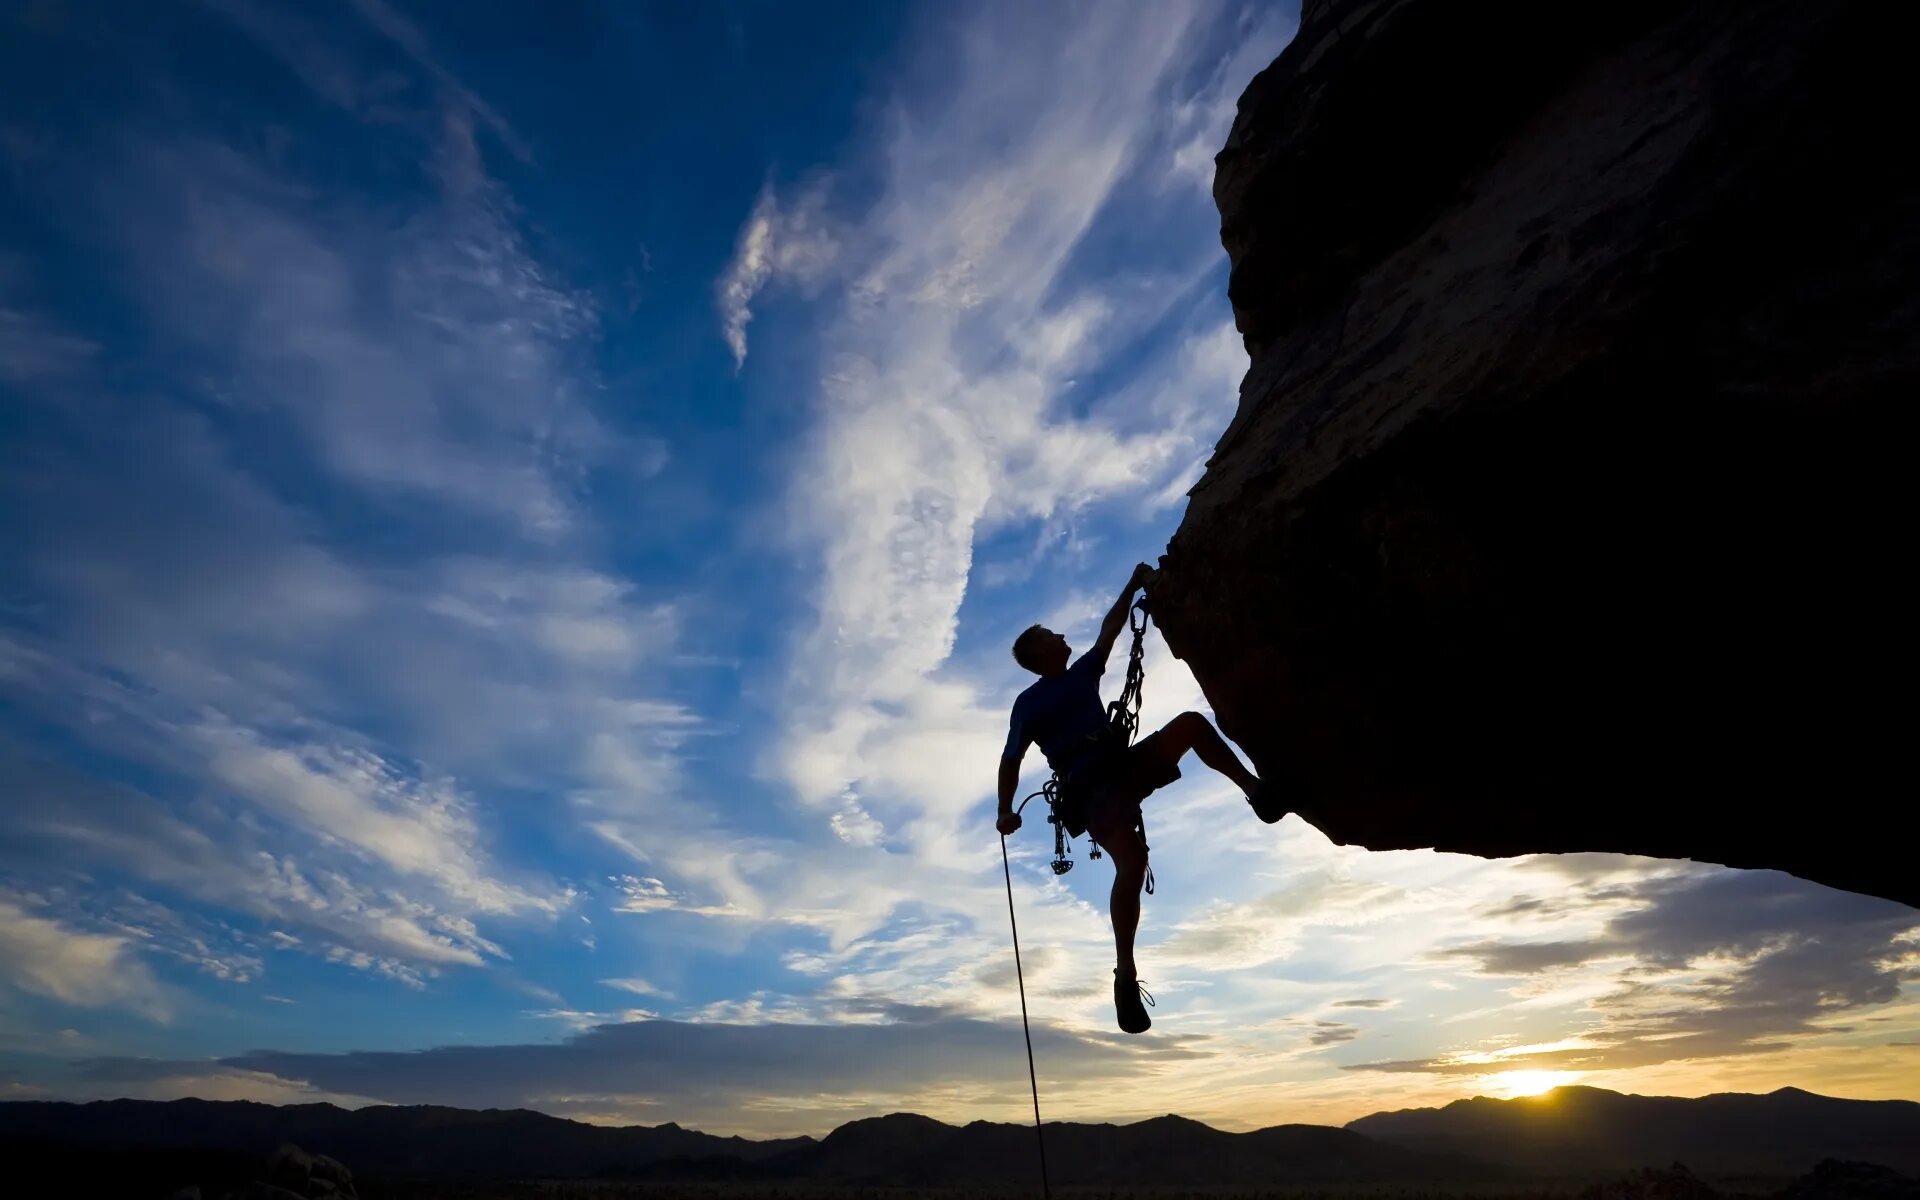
(1566, 508)
(311, 1175)
(289, 1173)
(1836, 1180)
(1653, 1183)
(1832, 1179)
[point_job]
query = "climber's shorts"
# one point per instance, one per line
(1111, 787)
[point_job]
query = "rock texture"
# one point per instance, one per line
(1565, 508)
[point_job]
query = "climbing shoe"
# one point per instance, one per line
(1127, 997)
(1266, 802)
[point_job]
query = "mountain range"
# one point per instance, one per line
(1569, 1132)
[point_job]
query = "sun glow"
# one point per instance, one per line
(1511, 1084)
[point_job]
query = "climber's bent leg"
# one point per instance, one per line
(1191, 731)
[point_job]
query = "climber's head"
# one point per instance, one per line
(1041, 650)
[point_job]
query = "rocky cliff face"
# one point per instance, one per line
(1565, 507)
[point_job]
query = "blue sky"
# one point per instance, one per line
(513, 529)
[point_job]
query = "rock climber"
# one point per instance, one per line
(1102, 782)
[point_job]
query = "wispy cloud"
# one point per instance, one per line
(793, 243)
(448, 378)
(1705, 964)
(90, 970)
(638, 987)
(357, 800)
(322, 54)
(346, 907)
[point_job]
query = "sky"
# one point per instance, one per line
(513, 526)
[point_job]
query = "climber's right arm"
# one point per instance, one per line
(1008, 820)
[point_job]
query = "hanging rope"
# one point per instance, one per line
(1019, 974)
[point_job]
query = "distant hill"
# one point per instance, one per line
(1578, 1129)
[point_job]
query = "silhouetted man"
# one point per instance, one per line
(1102, 782)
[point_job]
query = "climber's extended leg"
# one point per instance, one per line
(1191, 731)
(1128, 850)
(1129, 854)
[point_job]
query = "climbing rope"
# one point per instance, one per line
(1020, 975)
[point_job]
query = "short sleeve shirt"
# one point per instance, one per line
(1061, 713)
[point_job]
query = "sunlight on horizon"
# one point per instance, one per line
(1511, 1085)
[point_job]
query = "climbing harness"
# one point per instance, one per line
(1123, 721)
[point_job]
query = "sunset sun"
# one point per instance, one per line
(1509, 1085)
